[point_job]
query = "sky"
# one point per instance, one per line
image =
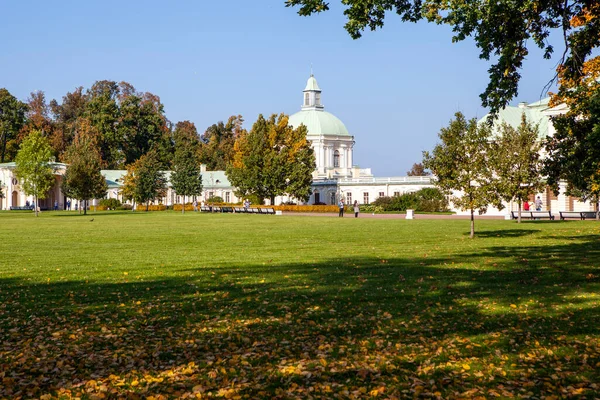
(207, 60)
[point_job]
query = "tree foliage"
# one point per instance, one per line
(418, 170)
(272, 159)
(83, 179)
(33, 166)
(217, 143)
(462, 166)
(502, 30)
(186, 178)
(573, 152)
(144, 181)
(515, 156)
(12, 118)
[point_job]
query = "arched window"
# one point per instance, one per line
(336, 158)
(306, 99)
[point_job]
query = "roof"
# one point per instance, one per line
(114, 177)
(534, 113)
(11, 165)
(319, 122)
(312, 84)
(211, 179)
(215, 179)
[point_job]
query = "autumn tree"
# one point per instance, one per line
(272, 159)
(217, 151)
(12, 119)
(66, 116)
(83, 179)
(418, 170)
(186, 178)
(144, 181)
(524, 23)
(33, 166)
(461, 166)
(515, 155)
(573, 152)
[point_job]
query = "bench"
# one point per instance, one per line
(227, 209)
(533, 215)
(216, 209)
(21, 208)
(239, 210)
(267, 210)
(582, 215)
(205, 209)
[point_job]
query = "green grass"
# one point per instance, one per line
(197, 305)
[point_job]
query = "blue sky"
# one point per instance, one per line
(394, 88)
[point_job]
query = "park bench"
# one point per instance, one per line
(267, 210)
(588, 215)
(205, 209)
(239, 209)
(21, 208)
(216, 209)
(533, 215)
(227, 209)
(253, 210)
(570, 214)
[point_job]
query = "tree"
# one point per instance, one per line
(573, 152)
(33, 166)
(417, 170)
(272, 159)
(461, 163)
(66, 116)
(12, 119)
(144, 180)
(83, 179)
(523, 22)
(218, 141)
(515, 156)
(186, 178)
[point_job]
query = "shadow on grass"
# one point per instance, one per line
(505, 233)
(505, 320)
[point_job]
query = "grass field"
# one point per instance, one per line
(164, 305)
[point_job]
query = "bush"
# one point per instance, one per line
(212, 200)
(126, 207)
(432, 200)
(111, 204)
(188, 207)
(306, 208)
(151, 207)
(424, 200)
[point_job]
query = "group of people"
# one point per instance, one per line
(538, 205)
(355, 206)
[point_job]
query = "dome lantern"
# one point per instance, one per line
(312, 95)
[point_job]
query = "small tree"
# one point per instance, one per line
(418, 170)
(186, 178)
(144, 180)
(516, 161)
(83, 179)
(461, 164)
(34, 168)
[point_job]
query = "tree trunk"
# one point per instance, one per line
(84, 207)
(147, 205)
(597, 214)
(133, 206)
(183, 206)
(519, 219)
(37, 204)
(472, 224)
(272, 200)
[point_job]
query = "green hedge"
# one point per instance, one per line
(424, 200)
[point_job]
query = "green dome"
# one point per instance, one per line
(319, 122)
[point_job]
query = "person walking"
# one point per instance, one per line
(195, 204)
(538, 204)
(341, 206)
(55, 205)
(356, 208)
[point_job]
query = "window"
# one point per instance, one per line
(333, 198)
(348, 197)
(306, 99)
(381, 194)
(366, 198)
(211, 195)
(396, 194)
(317, 197)
(318, 99)
(336, 158)
(227, 200)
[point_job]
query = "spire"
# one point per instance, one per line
(312, 94)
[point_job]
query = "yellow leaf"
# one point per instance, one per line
(513, 306)
(466, 366)
(323, 362)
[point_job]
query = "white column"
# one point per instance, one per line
(323, 159)
(343, 157)
(350, 162)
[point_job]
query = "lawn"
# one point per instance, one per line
(164, 305)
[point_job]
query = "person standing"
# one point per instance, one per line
(55, 205)
(538, 204)
(526, 206)
(341, 206)
(195, 204)
(356, 208)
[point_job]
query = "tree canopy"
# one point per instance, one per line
(12, 118)
(186, 178)
(218, 141)
(502, 30)
(144, 180)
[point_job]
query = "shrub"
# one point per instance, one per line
(111, 204)
(125, 207)
(432, 200)
(151, 207)
(213, 200)
(188, 207)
